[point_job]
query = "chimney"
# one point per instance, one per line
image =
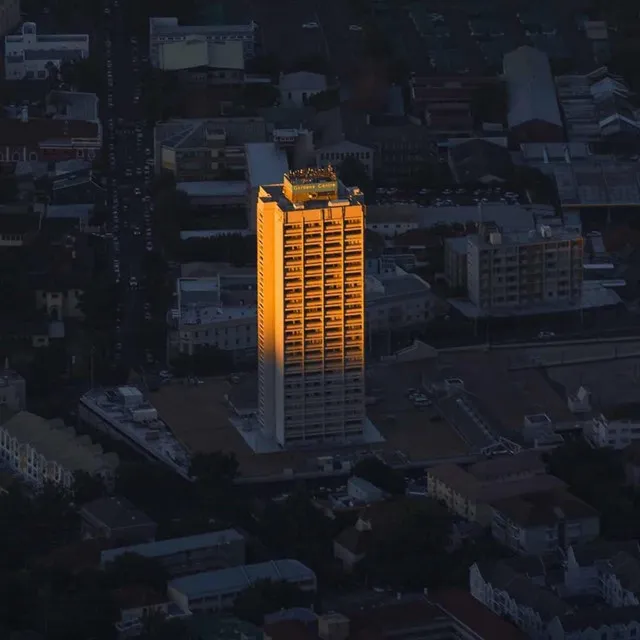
(24, 113)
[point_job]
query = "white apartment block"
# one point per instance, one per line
(613, 432)
(311, 309)
(29, 55)
(531, 268)
(168, 30)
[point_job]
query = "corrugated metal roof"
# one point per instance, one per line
(211, 583)
(530, 86)
(164, 548)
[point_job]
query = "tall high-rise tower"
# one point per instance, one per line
(311, 308)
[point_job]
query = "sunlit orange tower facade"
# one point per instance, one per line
(311, 309)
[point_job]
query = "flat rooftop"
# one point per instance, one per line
(266, 163)
(151, 434)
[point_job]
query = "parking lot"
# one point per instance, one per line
(464, 37)
(418, 431)
(449, 197)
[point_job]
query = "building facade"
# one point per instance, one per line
(311, 308)
(31, 56)
(532, 268)
(167, 30)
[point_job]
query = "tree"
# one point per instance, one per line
(312, 63)
(87, 487)
(267, 64)
(423, 532)
(380, 474)
(298, 529)
(264, 597)
(98, 303)
(258, 95)
(83, 74)
(152, 487)
(133, 569)
(157, 627)
(214, 470)
(354, 174)
(325, 100)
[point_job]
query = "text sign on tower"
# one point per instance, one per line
(311, 184)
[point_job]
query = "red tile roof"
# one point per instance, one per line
(35, 132)
(373, 622)
(474, 615)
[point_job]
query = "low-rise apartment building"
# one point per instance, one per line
(615, 428)
(531, 268)
(192, 554)
(30, 55)
(541, 522)
(217, 590)
(43, 451)
(469, 494)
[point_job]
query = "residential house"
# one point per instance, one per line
(480, 161)
(539, 522)
(44, 451)
(31, 56)
(351, 545)
(609, 570)
(9, 15)
(507, 593)
(116, 519)
(296, 88)
(596, 623)
(470, 496)
(533, 111)
(191, 554)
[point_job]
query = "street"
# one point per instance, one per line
(128, 141)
